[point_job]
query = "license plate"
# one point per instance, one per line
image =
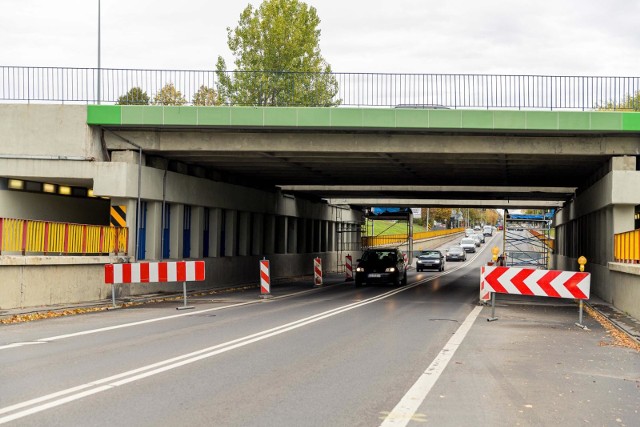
(374, 275)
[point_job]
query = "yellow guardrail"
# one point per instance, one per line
(626, 247)
(390, 239)
(25, 236)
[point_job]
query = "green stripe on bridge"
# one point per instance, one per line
(362, 118)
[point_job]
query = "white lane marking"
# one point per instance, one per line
(142, 322)
(20, 344)
(162, 366)
(409, 404)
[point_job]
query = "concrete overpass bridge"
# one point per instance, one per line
(231, 184)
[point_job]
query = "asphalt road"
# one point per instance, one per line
(333, 356)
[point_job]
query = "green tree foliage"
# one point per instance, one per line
(276, 49)
(205, 96)
(630, 103)
(135, 96)
(169, 95)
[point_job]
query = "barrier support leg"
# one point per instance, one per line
(579, 324)
(113, 297)
(493, 308)
(184, 293)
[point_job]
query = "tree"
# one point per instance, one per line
(169, 95)
(135, 96)
(278, 57)
(205, 96)
(630, 103)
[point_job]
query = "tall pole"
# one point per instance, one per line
(99, 82)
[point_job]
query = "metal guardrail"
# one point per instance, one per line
(482, 91)
(22, 236)
(626, 247)
(390, 239)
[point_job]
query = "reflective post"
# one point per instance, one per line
(493, 308)
(184, 293)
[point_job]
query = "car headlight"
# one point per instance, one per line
(390, 270)
(359, 269)
(436, 261)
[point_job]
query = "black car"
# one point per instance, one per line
(456, 253)
(381, 266)
(430, 259)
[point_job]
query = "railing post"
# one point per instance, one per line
(101, 244)
(25, 232)
(65, 247)
(46, 237)
(1, 241)
(84, 240)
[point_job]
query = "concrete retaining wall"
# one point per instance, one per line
(618, 284)
(38, 281)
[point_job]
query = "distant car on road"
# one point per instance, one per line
(468, 244)
(487, 230)
(430, 259)
(476, 238)
(481, 237)
(469, 232)
(381, 266)
(456, 253)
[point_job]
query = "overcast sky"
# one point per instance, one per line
(559, 37)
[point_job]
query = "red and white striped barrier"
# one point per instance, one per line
(485, 295)
(317, 271)
(348, 268)
(154, 272)
(531, 281)
(265, 279)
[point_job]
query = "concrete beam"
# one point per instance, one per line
(296, 142)
(426, 188)
(507, 204)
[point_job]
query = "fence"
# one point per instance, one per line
(626, 247)
(201, 87)
(21, 236)
(390, 239)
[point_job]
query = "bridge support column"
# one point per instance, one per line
(215, 232)
(269, 234)
(230, 229)
(244, 238)
(292, 235)
(197, 230)
(257, 243)
(154, 230)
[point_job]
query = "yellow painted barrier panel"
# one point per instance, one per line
(626, 247)
(58, 238)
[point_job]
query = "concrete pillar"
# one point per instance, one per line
(269, 234)
(257, 242)
(331, 243)
(325, 236)
(197, 231)
(244, 233)
(230, 232)
(215, 232)
(292, 235)
(131, 205)
(302, 235)
(281, 234)
(154, 230)
(177, 224)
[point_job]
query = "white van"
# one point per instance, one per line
(488, 230)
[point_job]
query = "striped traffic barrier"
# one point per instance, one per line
(348, 268)
(265, 279)
(317, 271)
(154, 272)
(485, 295)
(535, 282)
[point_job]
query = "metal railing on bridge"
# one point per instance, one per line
(626, 247)
(201, 87)
(28, 237)
(393, 239)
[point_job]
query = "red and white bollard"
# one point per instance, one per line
(348, 268)
(317, 272)
(485, 296)
(265, 279)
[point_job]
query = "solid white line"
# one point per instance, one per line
(409, 404)
(176, 362)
